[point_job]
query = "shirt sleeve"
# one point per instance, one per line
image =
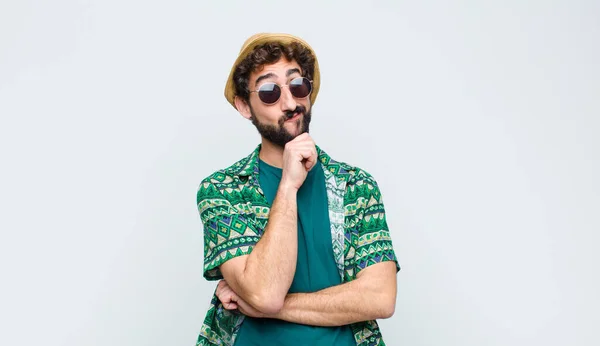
(229, 229)
(374, 239)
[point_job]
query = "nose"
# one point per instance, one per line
(288, 103)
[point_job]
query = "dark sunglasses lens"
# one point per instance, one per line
(300, 87)
(269, 93)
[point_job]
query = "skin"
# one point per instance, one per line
(257, 284)
(371, 296)
(278, 72)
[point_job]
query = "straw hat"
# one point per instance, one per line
(262, 38)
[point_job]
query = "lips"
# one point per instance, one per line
(296, 116)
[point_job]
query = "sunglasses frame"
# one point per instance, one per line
(281, 87)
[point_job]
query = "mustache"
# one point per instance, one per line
(289, 114)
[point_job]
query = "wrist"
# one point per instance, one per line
(287, 188)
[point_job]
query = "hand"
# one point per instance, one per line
(227, 296)
(299, 157)
(232, 301)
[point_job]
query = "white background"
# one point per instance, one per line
(479, 120)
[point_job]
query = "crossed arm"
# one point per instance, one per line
(258, 283)
(371, 296)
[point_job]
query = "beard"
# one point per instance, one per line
(277, 134)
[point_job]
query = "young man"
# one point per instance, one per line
(300, 240)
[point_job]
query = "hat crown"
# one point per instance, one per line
(250, 39)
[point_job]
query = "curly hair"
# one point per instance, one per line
(270, 53)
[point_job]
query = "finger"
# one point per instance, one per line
(301, 137)
(309, 163)
(311, 156)
(243, 307)
(229, 291)
(221, 291)
(307, 153)
(301, 143)
(230, 306)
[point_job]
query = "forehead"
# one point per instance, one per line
(276, 71)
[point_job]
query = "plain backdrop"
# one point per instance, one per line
(479, 120)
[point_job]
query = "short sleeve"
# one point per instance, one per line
(374, 239)
(229, 230)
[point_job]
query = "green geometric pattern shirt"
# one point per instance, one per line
(234, 214)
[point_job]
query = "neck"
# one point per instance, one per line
(271, 154)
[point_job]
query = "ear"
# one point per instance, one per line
(243, 107)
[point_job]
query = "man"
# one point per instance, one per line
(299, 241)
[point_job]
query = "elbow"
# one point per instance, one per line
(267, 303)
(387, 311)
(387, 307)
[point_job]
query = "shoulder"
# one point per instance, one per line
(360, 176)
(359, 182)
(355, 176)
(360, 185)
(225, 179)
(363, 184)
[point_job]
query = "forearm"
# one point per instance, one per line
(355, 301)
(270, 268)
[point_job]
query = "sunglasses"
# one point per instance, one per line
(269, 93)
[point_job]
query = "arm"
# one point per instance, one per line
(263, 278)
(371, 296)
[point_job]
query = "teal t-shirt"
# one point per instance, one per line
(315, 267)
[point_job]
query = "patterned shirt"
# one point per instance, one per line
(234, 214)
